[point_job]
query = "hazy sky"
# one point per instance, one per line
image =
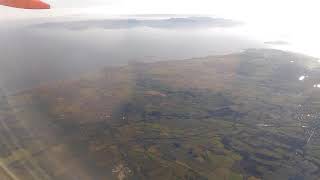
(292, 20)
(244, 9)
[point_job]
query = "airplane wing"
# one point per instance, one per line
(25, 4)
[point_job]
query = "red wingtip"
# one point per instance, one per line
(25, 4)
(35, 4)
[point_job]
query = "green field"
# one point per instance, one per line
(243, 116)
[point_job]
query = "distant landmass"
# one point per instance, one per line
(189, 22)
(277, 42)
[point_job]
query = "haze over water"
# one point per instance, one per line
(31, 56)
